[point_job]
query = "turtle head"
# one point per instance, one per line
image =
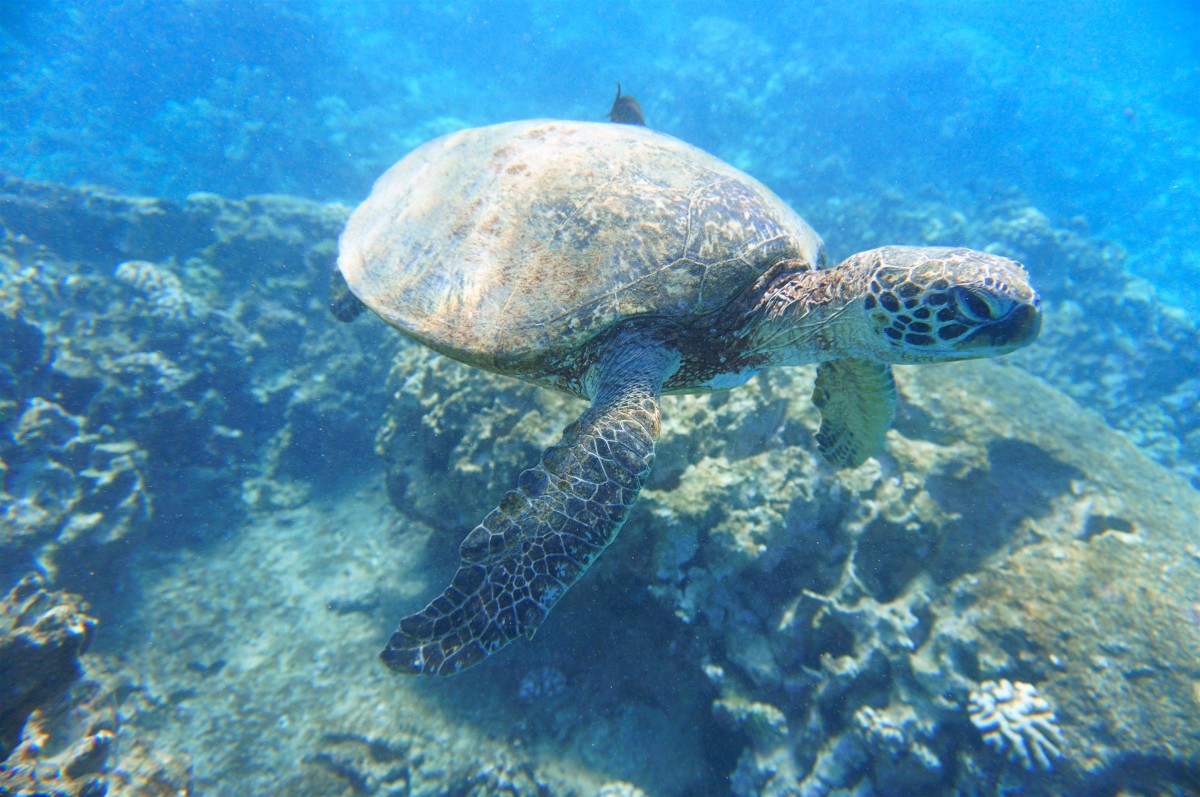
(930, 304)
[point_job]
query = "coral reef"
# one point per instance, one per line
(163, 290)
(1110, 342)
(180, 355)
(848, 605)
(772, 626)
(408, 765)
(926, 604)
(446, 429)
(80, 747)
(156, 387)
(1016, 720)
(619, 788)
(69, 494)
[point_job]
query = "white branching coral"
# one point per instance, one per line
(1014, 718)
(162, 289)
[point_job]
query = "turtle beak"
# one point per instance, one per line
(1018, 328)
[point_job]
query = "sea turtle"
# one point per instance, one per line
(617, 263)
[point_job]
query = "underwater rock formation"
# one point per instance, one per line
(166, 369)
(162, 290)
(186, 345)
(542, 684)
(848, 606)
(447, 431)
(408, 764)
(989, 474)
(619, 789)
(42, 635)
(67, 492)
(796, 629)
(69, 489)
(60, 719)
(1110, 343)
(78, 747)
(857, 610)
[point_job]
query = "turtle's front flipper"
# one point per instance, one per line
(856, 399)
(528, 552)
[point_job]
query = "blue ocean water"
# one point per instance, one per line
(250, 495)
(1089, 109)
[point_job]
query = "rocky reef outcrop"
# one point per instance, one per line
(165, 370)
(171, 371)
(164, 356)
(71, 489)
(844, 618)
(42, 635)
(61, 729)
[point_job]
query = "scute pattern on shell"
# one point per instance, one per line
(511, 246)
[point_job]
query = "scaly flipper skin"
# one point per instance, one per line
(528, 552)
(856, 398)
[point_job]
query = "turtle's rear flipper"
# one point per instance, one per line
(528, 552)
(344, 305)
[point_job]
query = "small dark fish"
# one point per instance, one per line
(626, 111)
(206, 669)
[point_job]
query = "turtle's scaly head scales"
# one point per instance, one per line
(926, 304)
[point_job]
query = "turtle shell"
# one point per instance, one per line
(511, 247)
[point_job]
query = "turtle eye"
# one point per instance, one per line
(972, 306)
